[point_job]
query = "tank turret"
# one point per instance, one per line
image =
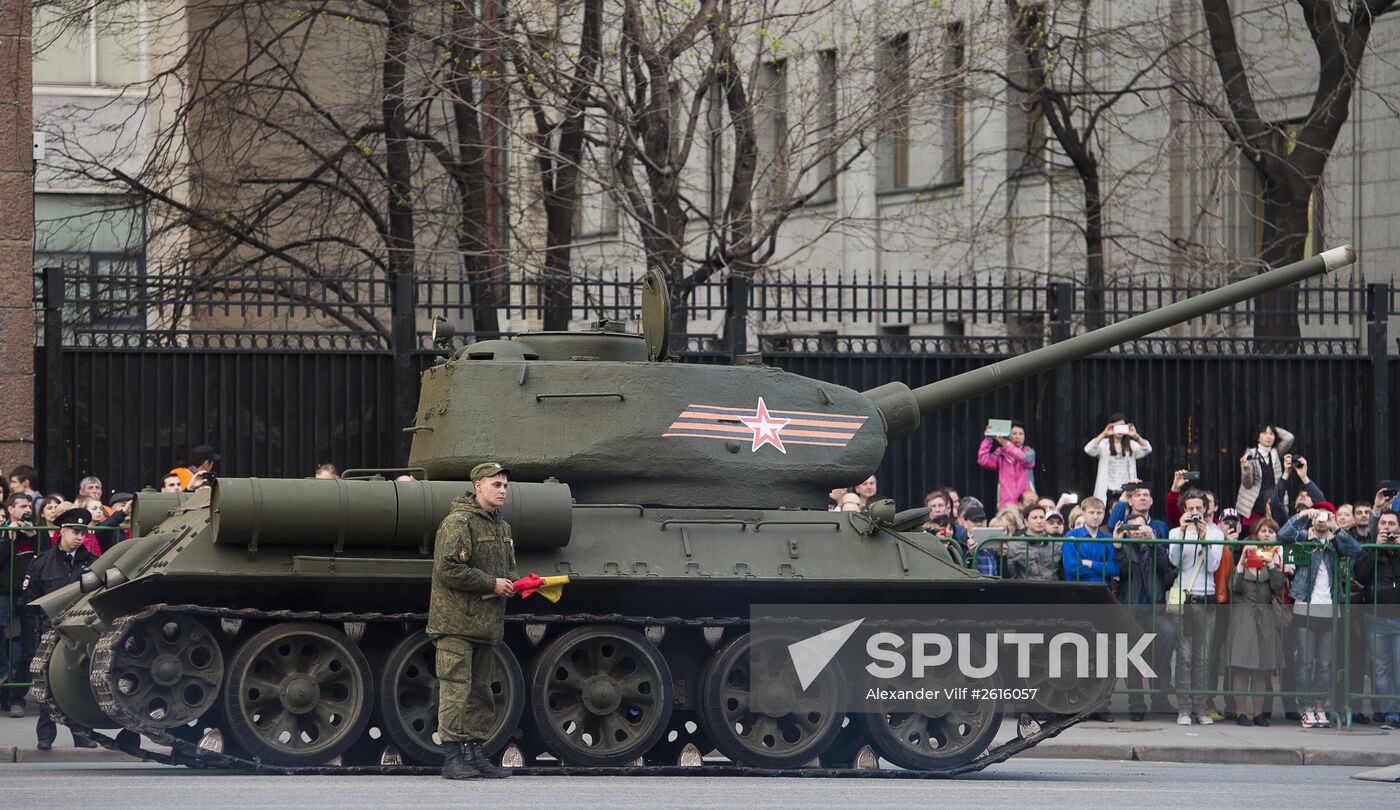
(599, 412)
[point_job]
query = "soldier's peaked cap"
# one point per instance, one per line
(76, 516)
(488, 469)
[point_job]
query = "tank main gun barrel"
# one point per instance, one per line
(903, 407)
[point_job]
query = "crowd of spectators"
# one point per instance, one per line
(1243, 599)
(45, 541)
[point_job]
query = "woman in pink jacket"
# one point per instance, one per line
(1013, 462)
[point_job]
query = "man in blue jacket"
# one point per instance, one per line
(1085, 560)
(1137, 500)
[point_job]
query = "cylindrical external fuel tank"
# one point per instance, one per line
(151, 508)
(262, 512)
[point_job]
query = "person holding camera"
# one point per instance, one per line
(1117, 448)
(1315, 590)
(1145, 574)
(1296, 488)
(1253, 633)
(1378, 573)
(1137, 500)
(1011, 458)
(1196, 564)
(1261, 468)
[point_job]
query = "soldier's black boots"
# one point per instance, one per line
(456, 763)
(483, 765)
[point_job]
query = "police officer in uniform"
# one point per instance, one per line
(473, 568)
(59, 566)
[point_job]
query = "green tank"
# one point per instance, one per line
(278, 624)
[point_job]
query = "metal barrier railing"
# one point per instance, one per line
(19, 623)
(1280, 614)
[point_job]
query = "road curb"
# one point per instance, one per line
(7, 754)
(1222, 756)
(1378, 759)
(1213, 755)
(1071, 750)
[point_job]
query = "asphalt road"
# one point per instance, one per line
(1059, 783)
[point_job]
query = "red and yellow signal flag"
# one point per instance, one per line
(551, 588)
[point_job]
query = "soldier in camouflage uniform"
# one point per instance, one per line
(473, 567)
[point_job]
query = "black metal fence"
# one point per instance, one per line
(275, 404)
(289, 308)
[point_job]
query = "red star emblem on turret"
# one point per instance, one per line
(765, 428)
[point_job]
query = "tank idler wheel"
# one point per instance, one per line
(600, 696)
(408, 698)
(756, 712)
(298, 693)
(166, 670)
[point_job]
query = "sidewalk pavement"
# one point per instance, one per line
(1157, 739)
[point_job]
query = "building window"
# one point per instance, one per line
(1026, 129)
(98, 240)
(955, 102)
(829, 164)
(892, 87)
(104, 51)
(774, 103)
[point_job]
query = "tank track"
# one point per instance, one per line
(184, 752)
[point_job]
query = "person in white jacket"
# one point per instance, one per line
(1118, 448)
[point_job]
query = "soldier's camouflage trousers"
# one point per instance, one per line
(465, 670)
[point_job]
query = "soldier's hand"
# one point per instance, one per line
(505, 588)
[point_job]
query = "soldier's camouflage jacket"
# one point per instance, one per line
(473, 548)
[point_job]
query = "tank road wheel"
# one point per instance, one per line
(1068, 694)
(600, 696)
(938, 735)
(408, 698)
(297, 694)
(166, 670)
(756, 713)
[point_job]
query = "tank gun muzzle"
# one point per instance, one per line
(903, 408)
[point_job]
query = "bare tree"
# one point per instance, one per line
(1077, 104)
(1290, 154)
(263, 147)
(713, 124)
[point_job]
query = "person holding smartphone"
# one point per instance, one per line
(1117, 448)
(1316, 590)
(1253, 633)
